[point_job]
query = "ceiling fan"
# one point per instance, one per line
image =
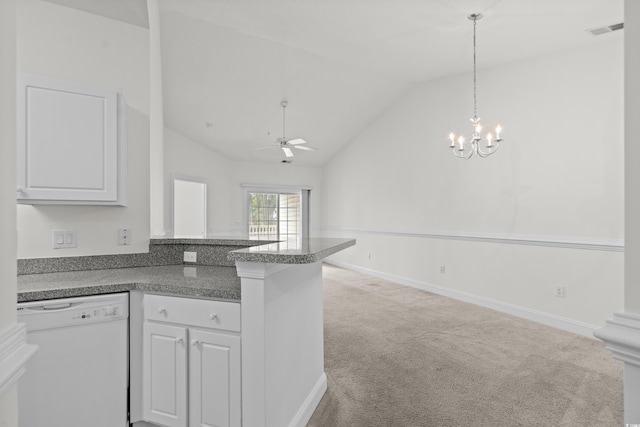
(287, 144)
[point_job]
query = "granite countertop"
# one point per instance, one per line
(209, 240)
(199, 280)
(297, 251)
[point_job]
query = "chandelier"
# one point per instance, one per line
(463, 147)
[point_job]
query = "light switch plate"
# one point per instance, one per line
(63, 239)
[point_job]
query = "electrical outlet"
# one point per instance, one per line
(190, 256)
(443, 269)
(124, 236)
(560, 291)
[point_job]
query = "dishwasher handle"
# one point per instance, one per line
(53, 307)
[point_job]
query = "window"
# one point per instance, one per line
(277, 213)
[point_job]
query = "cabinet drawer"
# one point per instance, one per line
(196, 312)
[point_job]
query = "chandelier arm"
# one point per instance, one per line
(461, 154)
(490, 152)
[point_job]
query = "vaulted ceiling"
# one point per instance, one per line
(227, 64)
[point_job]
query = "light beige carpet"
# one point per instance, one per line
(397, 356)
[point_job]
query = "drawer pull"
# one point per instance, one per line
(162, 310)
(213, 316)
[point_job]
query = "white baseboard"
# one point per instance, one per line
(558, 322)
(14, 355)
(310, 404)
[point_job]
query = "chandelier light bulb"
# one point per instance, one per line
(489, 138)
(474, 146)
(498, 130)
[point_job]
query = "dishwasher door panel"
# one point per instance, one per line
(78, 377)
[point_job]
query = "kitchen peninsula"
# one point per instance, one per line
(277, 286)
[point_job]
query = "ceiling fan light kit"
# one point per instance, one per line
(288, 144)
(465, 148)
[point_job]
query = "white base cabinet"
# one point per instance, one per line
(214, 380)
(191, 362)
(164, 380)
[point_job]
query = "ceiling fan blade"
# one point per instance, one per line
(305, 147)
(287, 151)
(297, 141)
(266, 147)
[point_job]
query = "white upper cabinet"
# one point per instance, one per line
(71, 143)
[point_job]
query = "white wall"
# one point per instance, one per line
(69, 44)
(224, 178)
(185, 157)
(8, 401)
(558, 176)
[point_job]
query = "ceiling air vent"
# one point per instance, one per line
(603, 30)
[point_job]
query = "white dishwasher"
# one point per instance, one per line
(79, 376)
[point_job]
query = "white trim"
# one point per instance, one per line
(621, 335)
(302, 417)
(14, 355)
(276, 188)
(569, 325)
(259, 270)
(588, 243)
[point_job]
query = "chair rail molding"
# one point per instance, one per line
(587, 243)
(14, 355)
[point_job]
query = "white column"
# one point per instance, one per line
(156, 123)
(283, 375)
(8, 406)
(621, 333)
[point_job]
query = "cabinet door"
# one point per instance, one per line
(164, 377)
(214, 380)
(70, 143)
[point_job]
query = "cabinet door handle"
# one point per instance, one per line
(195, 342)
(179, 340)
(213, 316)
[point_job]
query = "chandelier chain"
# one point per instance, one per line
(475, 106)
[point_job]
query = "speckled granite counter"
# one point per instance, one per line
(216, 282)
(163, 272)
(209, 241)
(304, 251)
